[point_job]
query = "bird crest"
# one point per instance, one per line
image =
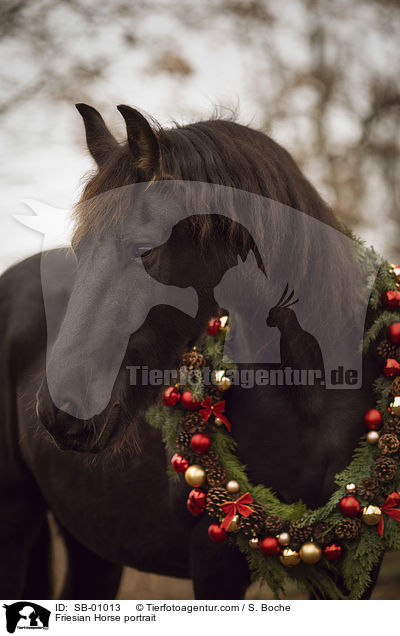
(285, 299)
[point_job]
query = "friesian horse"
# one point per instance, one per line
(103, 474)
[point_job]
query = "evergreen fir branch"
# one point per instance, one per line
(268, 570)
(391, 538)
(359, 559)
(167, 421)
(382, 322)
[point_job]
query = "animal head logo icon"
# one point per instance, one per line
(25, 615)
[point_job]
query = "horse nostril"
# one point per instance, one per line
(67, 427)
(74, 430)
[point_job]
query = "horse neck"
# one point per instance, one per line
(296, 439)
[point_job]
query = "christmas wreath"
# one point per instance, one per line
(350, 533)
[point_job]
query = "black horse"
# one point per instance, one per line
(102, 473)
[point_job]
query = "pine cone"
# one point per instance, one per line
(287, 526)
(194, 423)
(386, 349)
(322, 534)
(183, 441)
(216, 476)
(348, 529)
(252, 525)
(385, 468)
(395, 388)
(388, 444)
(214, 393)
(298, 536)
(193, 360)
(391, 425)
(369, 489)
(273, 524)
(209, 460)
(216, 497)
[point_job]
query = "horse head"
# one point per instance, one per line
(142, 290)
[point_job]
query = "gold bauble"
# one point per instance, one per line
(254, 543)
(351, 488)
(283, 538)
(289, 557)
(195, 476)
(310, 552)
(372, 437)
(224, 384)
(232, 486)
(218, 421)
(394, 406)
(234, 525)
(396, 269)
(371, 515)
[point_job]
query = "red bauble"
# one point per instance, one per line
(393, 332)
(270, 546)
(200, 443)
(196, 503)
(391, 299)
(391, 368)
(373, 419)
(216, 533)
(179, 464)
(189, 402)
(349, 506)
(333, 552)
(192, 509)
(395, 496)
(171, 396)
(214, 327)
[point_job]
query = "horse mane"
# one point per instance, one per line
(217, 151)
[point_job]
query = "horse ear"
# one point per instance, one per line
(142, 139)
(99, 140)
(251, 258)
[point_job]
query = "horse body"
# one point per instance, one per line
(86, 496)
(99, 505)
(118, 507)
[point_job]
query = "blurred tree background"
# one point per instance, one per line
(321, 77)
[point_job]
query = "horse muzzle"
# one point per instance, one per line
(71, 434)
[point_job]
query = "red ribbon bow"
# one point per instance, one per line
(216, 409)
(232, 508)
(389, 508)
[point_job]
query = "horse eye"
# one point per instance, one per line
(140, 251)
